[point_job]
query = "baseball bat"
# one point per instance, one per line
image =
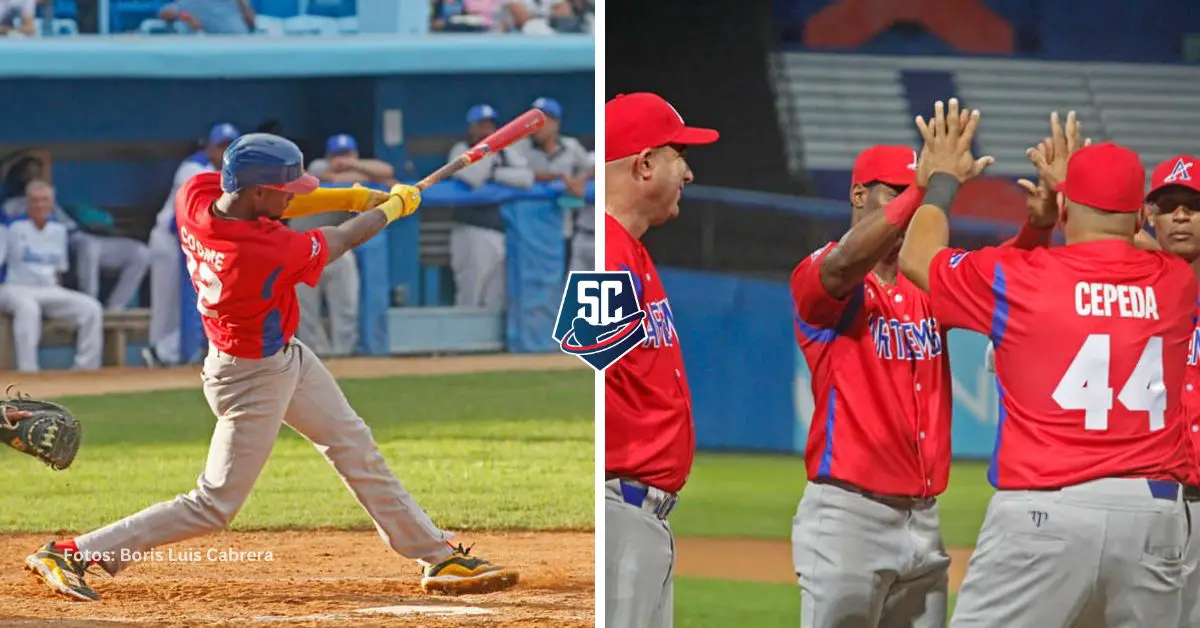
(521, 126)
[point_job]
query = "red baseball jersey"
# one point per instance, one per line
(1191, 396)
(1091, 349)
(245, 271)
(649, 434)
(880, 383)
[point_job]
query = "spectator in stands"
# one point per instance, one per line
(477, 247)
(465, 16)
(337, 291)
(542, 17)
(18, 16)
(556, 158)
(166, 273)
(218, 17)
(37, 253)
(95, 243)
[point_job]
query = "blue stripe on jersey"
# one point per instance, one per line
(272, 329)
(637, 282)
(1000, 313)
(827, 455)
(816, 334)
(993, 473)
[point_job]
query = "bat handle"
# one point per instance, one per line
(446, 171)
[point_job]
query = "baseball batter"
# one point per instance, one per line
(1090, 346)
(866, 541)
(1174, 205)
(649, 434)
(245, 265)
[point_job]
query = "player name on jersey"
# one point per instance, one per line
(1124, 301)
(203, 253)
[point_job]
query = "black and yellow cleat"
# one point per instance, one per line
(60, 572)
(462, 574)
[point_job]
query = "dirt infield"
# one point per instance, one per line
(325, 578)
(763, 560)
(314, 578)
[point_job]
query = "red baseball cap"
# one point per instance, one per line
(1174, 171)
(893, 165)
(635, 122)
(1106, 176)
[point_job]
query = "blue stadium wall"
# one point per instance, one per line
(750, 385)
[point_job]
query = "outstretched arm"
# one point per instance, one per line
(355, 199)
(403, 201)
(867, 243)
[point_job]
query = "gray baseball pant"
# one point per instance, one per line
(1189, 615)
(164, 295)
(477, 257)
(1108, 552)
(30, 304)
(251, 399)
(867, 562)
(93, 252)
(639, 558)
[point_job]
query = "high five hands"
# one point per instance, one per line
(1050, 157)
(948, 136)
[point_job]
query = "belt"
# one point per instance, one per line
(1167, 490)
(637, 494)
(901, 502)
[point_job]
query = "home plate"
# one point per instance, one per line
(426, 610)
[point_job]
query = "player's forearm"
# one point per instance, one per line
(324, 200)
(353, 232)
(866, 244)
(1030, 237)
(375, 169)
(928, 233)
(513, 177)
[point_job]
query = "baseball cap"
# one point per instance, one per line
(893, 165)
(549, 106)
(222, 133)
(1106, 176)
(635, 122)
(479, 113)
(340, 143)
(1174, 171)
(265, 160)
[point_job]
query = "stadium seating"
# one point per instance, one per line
(831, 106)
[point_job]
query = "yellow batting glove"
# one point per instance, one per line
(404, 201)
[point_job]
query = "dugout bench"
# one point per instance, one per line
(120, 328)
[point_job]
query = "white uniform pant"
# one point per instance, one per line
(29, 305)
(126, 255)
(165, 276)
(477, 257)
(338, 290)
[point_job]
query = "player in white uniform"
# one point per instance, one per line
(165, 271)
(36, 255)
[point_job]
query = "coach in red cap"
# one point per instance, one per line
(1091, 345)
(649, 438)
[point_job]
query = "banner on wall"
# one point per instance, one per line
(975, 400)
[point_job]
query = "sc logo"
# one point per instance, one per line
(599, 319)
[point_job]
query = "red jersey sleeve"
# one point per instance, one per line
(621, 254)
(814, 304)
(305, 256)
(962, 287)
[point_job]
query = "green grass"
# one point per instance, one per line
(487, 451)
(755, 496)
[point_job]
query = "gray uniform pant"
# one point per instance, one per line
(29, 305)
(338, 290)
(583, 252)
(126, 255)
(477, 257)
(251, 399)
(1189, 617)
(1102, 553)
(165, 278)
(639, 558)
(865, 562)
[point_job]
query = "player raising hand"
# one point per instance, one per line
(866, 540)
(1090, 342)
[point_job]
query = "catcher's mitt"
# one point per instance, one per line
(44, 430)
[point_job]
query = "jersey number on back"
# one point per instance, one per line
(1085, 384)
(208, 285)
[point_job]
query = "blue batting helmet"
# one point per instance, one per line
(265, 160)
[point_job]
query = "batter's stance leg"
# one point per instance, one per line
(320, 412)
(639, 557)
(1189, 616)
(249, 398)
